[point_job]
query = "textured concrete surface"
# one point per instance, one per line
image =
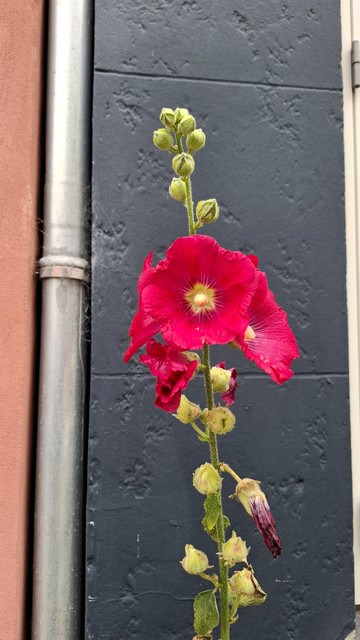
(263, 80)
(268, 41)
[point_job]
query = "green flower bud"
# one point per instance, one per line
(180, 113)
(220, 379)
(206, 479)
(183, 164)
(246, 587)
(168, 118)
(187, 411)
(163, 139)
(195, 561)
(220, 420)
(234, 550)
(207, 211)
(195, 140)
(177, 189)
(186, 125)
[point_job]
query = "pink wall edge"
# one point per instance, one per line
(21, 44)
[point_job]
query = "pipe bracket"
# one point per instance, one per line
(63, 266)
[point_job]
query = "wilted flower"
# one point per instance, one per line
(247, 589)
(195, 561)
(248, 492)
(224, 382)
(173, 370)
(206, 479)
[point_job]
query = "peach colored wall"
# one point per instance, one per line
(21, 43)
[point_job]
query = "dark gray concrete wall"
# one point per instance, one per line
(263, 80)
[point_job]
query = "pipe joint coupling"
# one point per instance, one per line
(63, 266)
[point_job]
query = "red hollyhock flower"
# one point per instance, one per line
(198, 294)
(248, 492)
(143, 326)
(173, 370)
(268, 340)
(229, 396)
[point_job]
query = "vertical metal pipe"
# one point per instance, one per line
(58, 551)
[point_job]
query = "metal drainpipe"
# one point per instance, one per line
(58, 545)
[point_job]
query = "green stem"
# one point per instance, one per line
(189, 205)
(224, 590)
(202, 434)
(230, 471)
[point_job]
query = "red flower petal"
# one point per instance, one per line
(229, 277)
(229, 396)
(273, 345)
(173, 371)
(143, 326)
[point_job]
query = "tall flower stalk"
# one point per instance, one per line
(201, 294)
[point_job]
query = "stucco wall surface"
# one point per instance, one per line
(263, 80)
(20, 98)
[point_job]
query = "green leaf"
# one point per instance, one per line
(212, 510)
(213, 532)
(206, 614)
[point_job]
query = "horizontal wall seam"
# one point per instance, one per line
(245, 83)
(324, 374)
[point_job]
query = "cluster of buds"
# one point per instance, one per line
(178, 124)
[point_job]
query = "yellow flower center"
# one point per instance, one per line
(201, 298)
(249, 333)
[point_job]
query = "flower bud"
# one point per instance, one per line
(220, 420)
(247, 589)
(187, 411)
(207, 211)
(195, 140)
(195, 561)
(220, 379)
(206, 479)
(186, 125)
(180, 113)
(177, 189)
(234, 550)
(163, 139)
(168, 118)
(207, 637)
(183, 164)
